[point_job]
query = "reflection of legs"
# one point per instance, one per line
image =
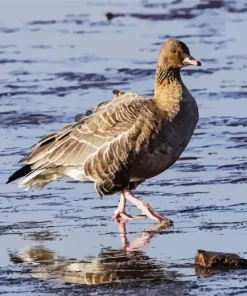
(122, 231)
(141, 241)
(146, 237)
(145, 208)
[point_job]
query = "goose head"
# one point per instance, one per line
(175, 54)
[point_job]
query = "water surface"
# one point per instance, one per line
(57, 60)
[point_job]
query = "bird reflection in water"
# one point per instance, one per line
(128, 265)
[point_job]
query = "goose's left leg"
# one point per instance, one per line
(145, 208)
(120, 213)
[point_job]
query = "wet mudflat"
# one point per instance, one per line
(60, 60)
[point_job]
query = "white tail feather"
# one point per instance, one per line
(24, 182)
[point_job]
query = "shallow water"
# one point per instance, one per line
(57, 60)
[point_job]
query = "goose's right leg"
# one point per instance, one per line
(146, 209)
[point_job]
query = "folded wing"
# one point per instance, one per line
(100, 148)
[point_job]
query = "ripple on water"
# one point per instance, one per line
(56, 61)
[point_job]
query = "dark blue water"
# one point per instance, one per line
(61, 58)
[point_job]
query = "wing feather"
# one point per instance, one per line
(103, 144)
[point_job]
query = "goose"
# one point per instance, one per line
(124, 141)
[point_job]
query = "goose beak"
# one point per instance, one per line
(189, 60)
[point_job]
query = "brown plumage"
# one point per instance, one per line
(124, 141)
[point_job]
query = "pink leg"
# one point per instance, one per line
(119, 213)
(145, 208)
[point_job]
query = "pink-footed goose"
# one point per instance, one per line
(124, 141)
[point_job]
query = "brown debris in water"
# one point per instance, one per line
(219, 259)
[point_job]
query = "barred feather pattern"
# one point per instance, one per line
(100, 148)
(169, 90)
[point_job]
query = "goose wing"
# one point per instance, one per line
(118, 94)
(100, 147)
